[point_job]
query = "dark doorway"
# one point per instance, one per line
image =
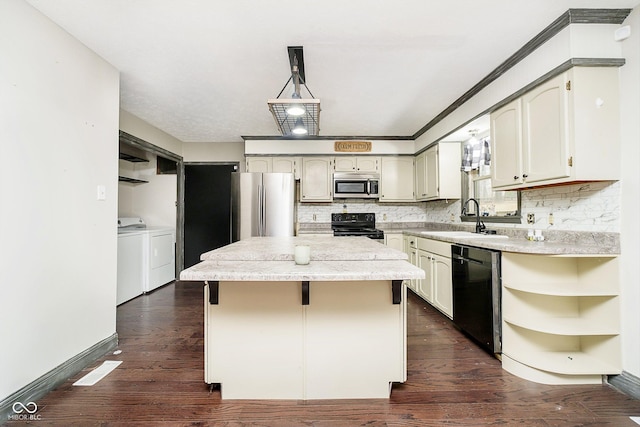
(207, 209)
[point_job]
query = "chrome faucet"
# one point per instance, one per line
(479, 224)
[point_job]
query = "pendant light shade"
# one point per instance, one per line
(296, 116)
(299, 128)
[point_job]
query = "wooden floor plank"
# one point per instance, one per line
(451, 382)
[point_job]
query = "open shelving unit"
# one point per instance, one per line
(131, 158)
(561, 317)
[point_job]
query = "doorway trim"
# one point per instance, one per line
(141, 144)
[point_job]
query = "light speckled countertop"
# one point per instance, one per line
(332, 259)
(323, 248)
(557, 242)
(585, 244)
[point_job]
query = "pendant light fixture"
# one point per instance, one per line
(296, 116)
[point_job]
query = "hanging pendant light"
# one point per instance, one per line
(299, 128)
(296, 116)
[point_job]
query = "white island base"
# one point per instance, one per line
(262, 342)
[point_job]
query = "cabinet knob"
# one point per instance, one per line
(516, 177)
(524, 175)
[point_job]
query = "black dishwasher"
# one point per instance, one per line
(476, 295)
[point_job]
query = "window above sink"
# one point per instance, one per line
(475, 161)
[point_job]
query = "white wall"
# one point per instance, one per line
(154, 201)
(214, 152)
(135, 126)
(630, 189)
(58, 142)
(301, 146)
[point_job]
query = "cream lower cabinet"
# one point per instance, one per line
(410, 247)
(394, 240)
(397, 179)
(560, 318)
(315, 182)
(434, 257)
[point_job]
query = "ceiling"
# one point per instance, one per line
(202, 70)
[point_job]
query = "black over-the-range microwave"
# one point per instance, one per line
(355, 185)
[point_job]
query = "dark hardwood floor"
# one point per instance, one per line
(451, 382)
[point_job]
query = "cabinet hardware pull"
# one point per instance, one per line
(516, 177)
(524, 175)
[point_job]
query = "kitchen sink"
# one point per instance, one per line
(463, 235)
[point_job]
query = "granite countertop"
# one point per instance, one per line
(563, 244)
(314, 271)
(332, 259)
(323, 248)
(557, 242)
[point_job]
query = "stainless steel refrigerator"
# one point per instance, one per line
(262, 204)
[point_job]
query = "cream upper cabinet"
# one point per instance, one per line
(396, 179)
(357, 164)
(506, 141)
(315, 182)
(287, 164)
(259, 164)
(284, 164)
(564, 130)
(437, 172)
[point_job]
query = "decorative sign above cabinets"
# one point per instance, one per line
(352, 146)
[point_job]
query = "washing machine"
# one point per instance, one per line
(146, 258)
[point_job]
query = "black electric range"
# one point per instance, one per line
(355, 224)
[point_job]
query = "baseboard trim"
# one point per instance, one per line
(52, 379)
(627, 383)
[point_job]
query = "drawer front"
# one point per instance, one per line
(435, 247)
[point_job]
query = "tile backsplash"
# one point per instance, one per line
(592, 206)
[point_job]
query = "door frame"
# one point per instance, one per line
(141, 144)
(181, 172)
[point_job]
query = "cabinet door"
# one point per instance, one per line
(315, 182)
(424, 286)
(345, 164)
(545, 140)
(421, 175)
(368, 164)
(288, 165)
(409, 244)
(506, 143)
(259, 164)
(432, 173)
(442, 284)
(393, 240)
(396, 179)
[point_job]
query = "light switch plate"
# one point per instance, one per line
(101, 192)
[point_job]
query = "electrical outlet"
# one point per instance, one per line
(384, 217)
(531, 218)
(551, 218)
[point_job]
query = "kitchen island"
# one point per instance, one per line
(332, 329)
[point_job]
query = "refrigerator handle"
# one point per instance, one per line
(259, 210)
(263, 195)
